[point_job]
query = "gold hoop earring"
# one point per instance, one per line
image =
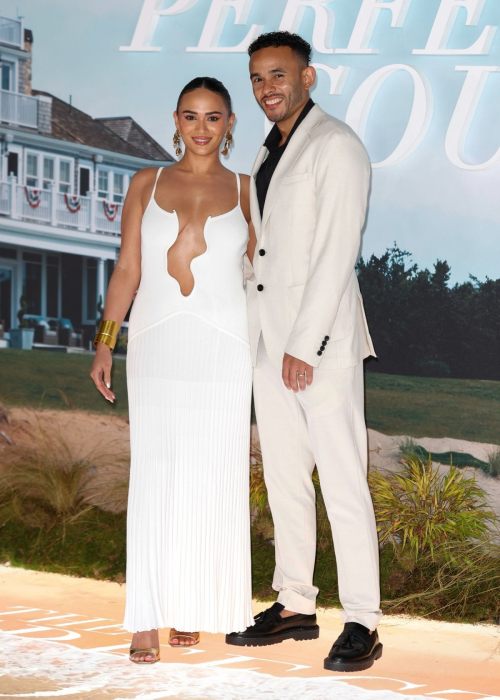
(177, 143)
(229, 140)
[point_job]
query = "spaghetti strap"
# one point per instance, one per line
(156, 182)
(239, 187)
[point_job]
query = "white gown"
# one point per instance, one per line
(189, 379)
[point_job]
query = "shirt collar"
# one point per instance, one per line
(274, 136)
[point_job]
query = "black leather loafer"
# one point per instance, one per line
(355, 650)
(271, 628)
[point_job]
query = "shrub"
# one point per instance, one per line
(458, 580)
(407, 447)
(40, 488)
(418, 508)
(47, 482)
(258, 492)
(493, 468)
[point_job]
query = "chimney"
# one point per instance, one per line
(25, 75)
(44, 114)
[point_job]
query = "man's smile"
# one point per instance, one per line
(271, 102)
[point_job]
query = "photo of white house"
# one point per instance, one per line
(63, 180)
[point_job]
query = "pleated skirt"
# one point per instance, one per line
(188, 520)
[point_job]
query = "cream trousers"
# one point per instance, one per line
(323, 425)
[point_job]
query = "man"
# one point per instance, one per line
(309, 192)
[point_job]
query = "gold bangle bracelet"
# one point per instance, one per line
(109, 327)
(105, 339)
(107, 333)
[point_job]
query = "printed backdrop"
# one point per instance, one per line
(419, 80)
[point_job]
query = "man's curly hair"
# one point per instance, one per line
(276, 39)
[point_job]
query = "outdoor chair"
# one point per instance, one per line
(67, 335)
(44, 333)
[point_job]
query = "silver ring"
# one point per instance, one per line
(300, 375)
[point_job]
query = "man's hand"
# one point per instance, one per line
(296, 373)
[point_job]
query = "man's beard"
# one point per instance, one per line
(291, 101)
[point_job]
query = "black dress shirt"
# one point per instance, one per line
(266, 170)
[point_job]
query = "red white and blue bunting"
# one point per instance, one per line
(110, 210)
(33, 196)
(73, 202)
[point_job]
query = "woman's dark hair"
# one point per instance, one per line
(211, 84)
(276, 39)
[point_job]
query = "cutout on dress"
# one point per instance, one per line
(179, 256)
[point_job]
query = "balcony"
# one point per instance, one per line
(51, 208)
(18, 109)
(11, 32)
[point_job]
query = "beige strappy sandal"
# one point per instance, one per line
(149, 650)
(195, 636)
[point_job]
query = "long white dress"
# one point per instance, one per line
(189, 379)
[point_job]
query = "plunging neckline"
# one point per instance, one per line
(202, 255)
(217, 216)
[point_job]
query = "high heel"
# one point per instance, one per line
(195, 636)
(148, 650)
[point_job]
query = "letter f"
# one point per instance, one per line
(148, 19)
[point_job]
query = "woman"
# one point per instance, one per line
(185, 231)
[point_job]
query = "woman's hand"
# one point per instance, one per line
(101, 371)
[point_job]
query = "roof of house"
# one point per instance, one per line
(121, 135)
(130, 131)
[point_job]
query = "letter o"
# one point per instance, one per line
(420, 117)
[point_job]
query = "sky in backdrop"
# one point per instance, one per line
(426, 204)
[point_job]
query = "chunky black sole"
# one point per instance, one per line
(299, 634)
(362, 665)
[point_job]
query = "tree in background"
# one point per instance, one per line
(423, 326)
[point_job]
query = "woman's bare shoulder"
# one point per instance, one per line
(142, 183)
(143, 178)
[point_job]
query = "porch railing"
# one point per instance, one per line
(19, 109)
(54, 208)
(33, 204)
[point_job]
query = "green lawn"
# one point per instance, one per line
(467, 409)
(395, 405)
(47, 379)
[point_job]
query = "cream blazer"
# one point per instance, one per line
(309, 239)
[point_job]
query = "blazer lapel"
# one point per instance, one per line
(254, 202)
(297, 144)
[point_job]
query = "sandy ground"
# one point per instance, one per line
(384, 454)
(81, 430)
(108, 436)
(62, 636)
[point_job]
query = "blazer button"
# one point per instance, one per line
(320, 352)
(323, 346)
(262, 251)
(260, 287)
(327, 337)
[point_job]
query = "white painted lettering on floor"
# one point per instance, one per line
(76, 672)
